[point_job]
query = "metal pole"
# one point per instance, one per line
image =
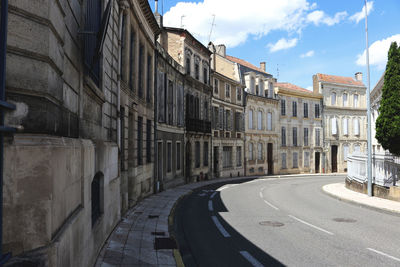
(369, 146)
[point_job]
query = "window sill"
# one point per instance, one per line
(94, 90)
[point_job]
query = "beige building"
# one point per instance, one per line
(195, 58)
(300, 128)
(344, 116)
(136, 107)
(261, 119)
(227, 115)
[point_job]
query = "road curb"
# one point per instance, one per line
(360, 204)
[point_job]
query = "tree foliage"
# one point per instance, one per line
(388, 121)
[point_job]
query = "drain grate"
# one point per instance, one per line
(158, 233)
(271, 223)
(165, 243)
(153, 216)
(345, 220)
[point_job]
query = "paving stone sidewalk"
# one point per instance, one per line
(132, 241)
(340, 191)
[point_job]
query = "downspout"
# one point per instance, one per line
(155, 164)
(3, 105)
(210, 163)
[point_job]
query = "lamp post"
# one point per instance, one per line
(369, 146)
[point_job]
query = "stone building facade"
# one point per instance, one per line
(300, 129)
(344, 118)
(227, 115)
(170, 136)
(195, 58)
(61, 175)
(261, 119)
(139, 30)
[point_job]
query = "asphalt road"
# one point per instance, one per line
(282, 221)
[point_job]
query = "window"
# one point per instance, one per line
(294, 108)
(169, 157)
(170, 102)
(187, 65)
(306, 159)
(227, 156)
(284, 161)
(178, 156)
(269, 121)
(250, 119)
(333, 98)
(97, 195)
(283, 107)
(260, 151)
(294, 136)
(317, 111)
(250, 151)
(259, 120)
(140, 141)
(334, 126)
(205, 111)
(205, 154)
(355, 100)
(227, 90)
(93, 21)
(305, 136)
(271, 90)
(357, 149)
(215, 121)
(197, 71)
(141, 67)
(305, 108)
(252, 84)
(197, 154)
(148, 86)
(345, 126)
(216, 82)
(221, 118)
(239, 94)
(148, 141)
(205, 75)
(356, 126)
(257, 91)
(295, 160)
(238, 156)
(345, 100)
(317, 137)
(283, 136)
(345, 152)
(123, 49)
(131, 60)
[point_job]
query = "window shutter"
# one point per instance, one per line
(269, 121)
(250, 119)
(356, 123)
(334, 126)
(221, 118)
(345, 126)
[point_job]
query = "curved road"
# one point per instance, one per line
(282, 221)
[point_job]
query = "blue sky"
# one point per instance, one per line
(298, 37)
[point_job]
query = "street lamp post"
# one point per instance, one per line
(369, 146)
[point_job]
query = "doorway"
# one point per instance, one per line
(334, 158)
(188, 163)
(270, 160)
(317, 160)
(216, 161)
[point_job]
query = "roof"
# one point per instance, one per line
(339, 79)
(181, 30)
(148, 13)
(245, 63)
(292, 87)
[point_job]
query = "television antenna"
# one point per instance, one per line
(212, 26)
(182, 21)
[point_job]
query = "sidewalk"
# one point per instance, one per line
(338, 190)
(133, 241)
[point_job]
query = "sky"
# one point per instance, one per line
(296, 38)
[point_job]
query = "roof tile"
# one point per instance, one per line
(245, 63)
(293, 87)
(339, 79)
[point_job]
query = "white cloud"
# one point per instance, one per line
(308, 54)
(310, 88)
(319, 17)
(282, 44)
(361, 15)
(236, 22)
(378, 52)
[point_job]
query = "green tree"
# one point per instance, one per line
(388, 121)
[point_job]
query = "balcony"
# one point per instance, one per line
(196, 125)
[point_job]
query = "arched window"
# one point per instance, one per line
(333, 98)
(259, 120)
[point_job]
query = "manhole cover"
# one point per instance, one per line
(165, 243)
(346, 220)
(271, 223)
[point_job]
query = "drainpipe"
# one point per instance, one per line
(3, 105)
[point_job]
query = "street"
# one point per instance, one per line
(282, 221)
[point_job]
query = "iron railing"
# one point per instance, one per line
(196, 125)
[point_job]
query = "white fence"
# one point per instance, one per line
(385, 169)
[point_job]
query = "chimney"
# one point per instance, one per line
(221, 50)
(358, 76)
(262, 66)
(157, 15)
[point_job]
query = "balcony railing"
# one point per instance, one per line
(196, 125)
